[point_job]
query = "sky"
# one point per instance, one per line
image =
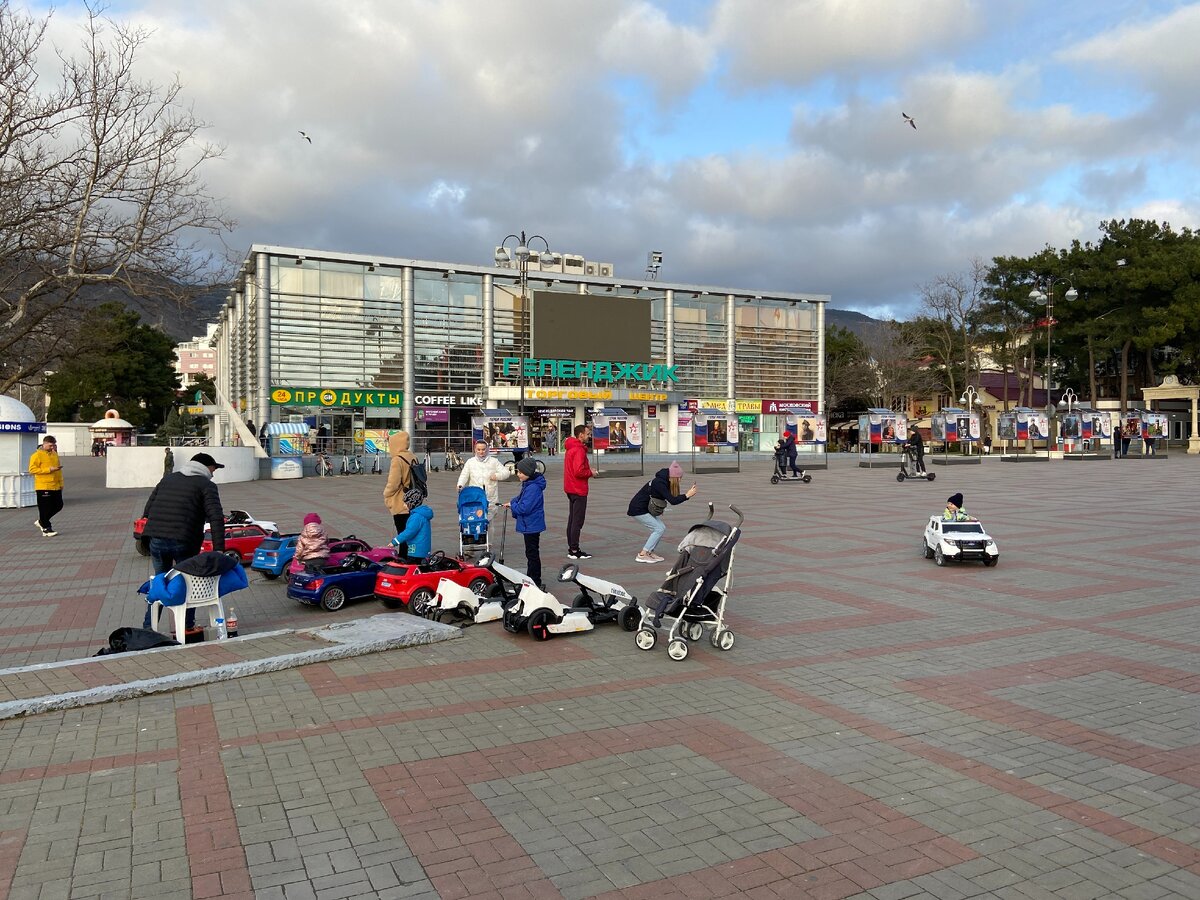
(755, 143)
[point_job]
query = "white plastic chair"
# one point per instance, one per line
(201, 592)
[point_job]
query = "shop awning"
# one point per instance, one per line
(287, 428)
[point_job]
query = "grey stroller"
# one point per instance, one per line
(694, 593)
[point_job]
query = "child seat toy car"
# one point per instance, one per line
(605, 600)
(416, 584)
(233, 517)
(349, 579)
(946, 539)
(695, 591)
(273, 555)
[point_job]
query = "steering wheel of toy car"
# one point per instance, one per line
(435, 559)
(355, 561)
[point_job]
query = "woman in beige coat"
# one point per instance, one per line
(399, 479)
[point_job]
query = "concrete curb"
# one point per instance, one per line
(355, 638)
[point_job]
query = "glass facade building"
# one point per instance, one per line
(384, 343)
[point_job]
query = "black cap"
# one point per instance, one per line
(205, 460)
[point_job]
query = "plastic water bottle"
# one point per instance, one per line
(231, 626)
(222, 632)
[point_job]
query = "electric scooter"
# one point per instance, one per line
(908, 466)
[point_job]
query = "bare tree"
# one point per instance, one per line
(895, 371)
(951, 304)
(100, 188)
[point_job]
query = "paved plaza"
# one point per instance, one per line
(883, 728)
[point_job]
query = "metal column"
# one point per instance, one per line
(262, 293)
(730, 344)
(489, 350)
(407, 304)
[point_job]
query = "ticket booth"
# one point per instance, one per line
(1018, 429)
(957, 429)
(880, 433)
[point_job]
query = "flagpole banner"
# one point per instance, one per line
(501, 430)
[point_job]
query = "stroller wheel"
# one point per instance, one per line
(774, 479)
(629, 618)
(645, 639)
(899, 476)
(722, 639)
(693, 631)
(677, 649)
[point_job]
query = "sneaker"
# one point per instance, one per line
(49, 532)
(578, 554)
(656, 557)
(647, 558)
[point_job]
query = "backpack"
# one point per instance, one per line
(127, 639)
(419, 478)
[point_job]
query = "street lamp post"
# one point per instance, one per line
(1043, 292)
(1067, 404)
(520, 254)
(970, 398)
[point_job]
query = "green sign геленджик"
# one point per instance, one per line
(599, 372)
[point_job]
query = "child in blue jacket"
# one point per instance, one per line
(415, 541)
(529, 509)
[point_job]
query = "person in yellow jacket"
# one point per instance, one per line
(47, 483)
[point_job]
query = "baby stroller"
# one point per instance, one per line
(694, 592)
(472, 521)
(908, 465)
(781, 465)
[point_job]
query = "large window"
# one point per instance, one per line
(700, 345)
(447, 334)
(776, 351)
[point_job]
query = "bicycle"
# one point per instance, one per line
(324, 466)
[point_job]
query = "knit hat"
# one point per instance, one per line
(312, 518)
(413, 498)
(527, 466)
(675, 470)
(956, 499)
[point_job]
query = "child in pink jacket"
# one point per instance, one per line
(312, 547)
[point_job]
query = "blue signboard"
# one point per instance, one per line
(22, 427)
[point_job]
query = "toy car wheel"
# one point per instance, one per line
(333, 599)
(925, 551)
(539, 625)
(774, 479)
(899, 476)
(938, 556)
(807, 479)
(420, 601)
(693, 631)
(629, 618)
(990, 561)
(677, 650)
(931, 476)
(480, 587)
(389, 602)
(270, 576)
(645, 639)
(723, 639)
(142, 546)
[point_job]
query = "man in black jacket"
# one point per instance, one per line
(176, 512)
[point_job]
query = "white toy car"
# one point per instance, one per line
(946, 540)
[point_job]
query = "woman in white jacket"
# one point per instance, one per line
(483, 470)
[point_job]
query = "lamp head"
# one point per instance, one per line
(1072, 294)
(502, 255)
(1037, 296)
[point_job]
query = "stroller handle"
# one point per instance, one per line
(738, 513)
(710, 512)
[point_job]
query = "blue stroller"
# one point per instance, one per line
(472, 521)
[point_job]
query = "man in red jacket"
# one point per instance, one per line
(576, 472)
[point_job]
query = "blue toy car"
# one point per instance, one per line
(330, 588)
(273, 555)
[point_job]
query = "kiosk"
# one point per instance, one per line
(715, 433)
(952, 425)
(1142, 430)
(617, 435)
(20, 435)
(812, 437)
(1019, 426)
(287, 445)
(880, 431)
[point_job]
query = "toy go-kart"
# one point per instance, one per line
(946, 540)
(233, 517)
(273, 555)
(605, 600)
(340, 549)
(417, 584)
(349, 579)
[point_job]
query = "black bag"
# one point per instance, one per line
(128, 639)
(419, 479)
(657, 506)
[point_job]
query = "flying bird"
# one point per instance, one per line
(307, 138)
(910, 120)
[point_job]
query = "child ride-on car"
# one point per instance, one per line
(416, 584)
(946, 539)
(349, 579)
(233, 517)
(273, 555)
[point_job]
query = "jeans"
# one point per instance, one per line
(164, 553)
(49, 504)
(576, 513)
(657, 529)
(533, 557)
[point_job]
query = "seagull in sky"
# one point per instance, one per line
(307, 138)
(907, 118)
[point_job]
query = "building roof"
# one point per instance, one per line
(993, 383)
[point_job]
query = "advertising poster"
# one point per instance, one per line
(1006, 427)
(501, 431)
(1071, 426)
(1101, 425)
(808, 427)
(713, 428)
(1037, 426)
(615, 429)
(1154, 426)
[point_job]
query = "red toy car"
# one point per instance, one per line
(233, 517)
(416, 584)
(240, 540)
